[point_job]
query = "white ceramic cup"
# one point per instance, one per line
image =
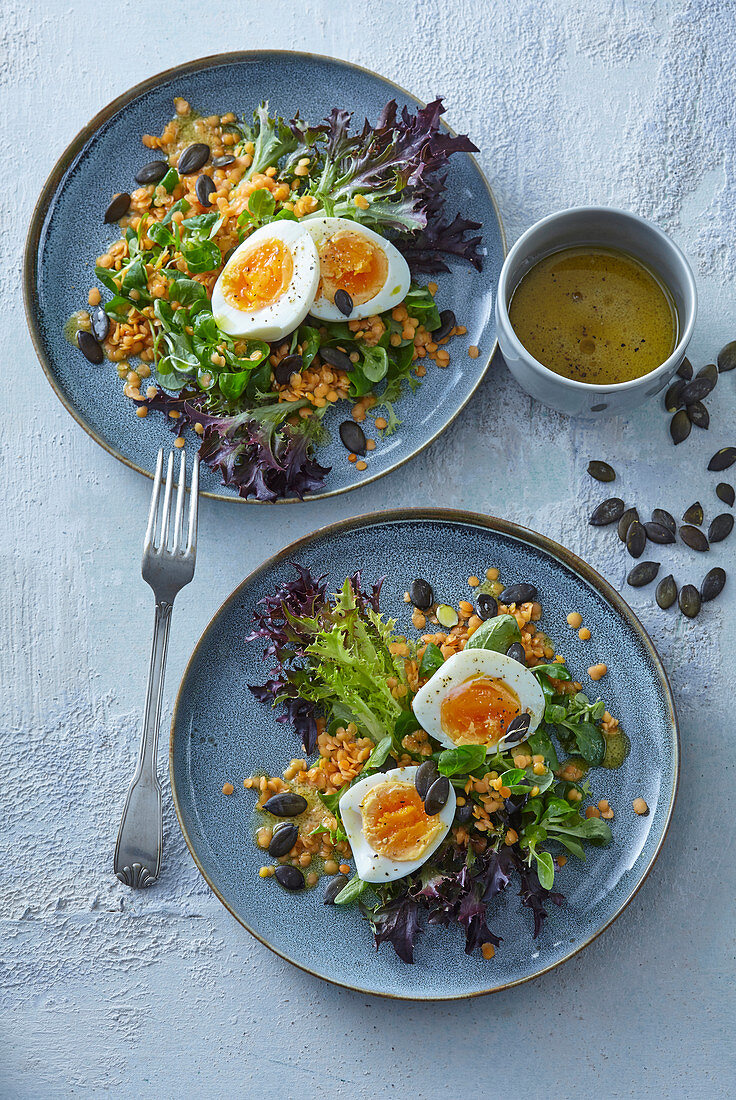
(601, 226)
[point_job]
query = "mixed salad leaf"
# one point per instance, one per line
(333, 655)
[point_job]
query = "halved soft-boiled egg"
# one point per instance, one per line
(359, 261)
(389, 831)
(473, 698)
(267, 286)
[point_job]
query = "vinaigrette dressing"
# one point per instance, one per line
(594, 315)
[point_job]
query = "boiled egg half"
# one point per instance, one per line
(474, 696)
(389, 832)
(267, 286)
(355, 259)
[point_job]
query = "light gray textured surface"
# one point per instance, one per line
(163, 994)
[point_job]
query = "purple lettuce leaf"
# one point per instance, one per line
(425, 249)
(396, 922)
(254, 451)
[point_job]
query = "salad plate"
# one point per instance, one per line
(221, 735)
(68, 231)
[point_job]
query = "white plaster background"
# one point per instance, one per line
(163, 994)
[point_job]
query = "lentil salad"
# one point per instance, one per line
(349, 684)
(258, 405)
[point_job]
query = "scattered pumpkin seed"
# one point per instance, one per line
(608, 511)
(666, 593)
(680, 427)
(625, 522)
(290, 364)
(673, 398)
(437, 796)
(726, 493)
(685, 369)
(289, 877)
(421, 593)
(601, 471)
(286, 804)
(636, 539)
(447, 324)
(344, 302)
(660, 515)
(689, 600)
(425, 775)
(657, 532)
(517, 653)
(517, 730)
(713, 583)
(694, 514)
(701, 385)
(727, 357)
(333, 888)
(353, 437)
(642, 573)
(204, 187)
(284, 838)
(722, 459)
(89, 347)
(336, 358)
(518, 593)
(118, 208)
(193, 158)
(152, 172)
(698, 414)
(100, 322)
(720, 527)
(223, 161)
(694, 538)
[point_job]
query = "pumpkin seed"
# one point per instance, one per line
(701, 385)
(89, 347)
(204, 187)
(517, 653)
(643, 573)
(285, 804)
(333, 888)
(353, 437)
(720, 527)
(699, 415)
(118, 208)
(193, 158)
(464, 814)
(625, 522)
(659, 515)
(486, 607)
(152, 172)
(421, 594)
(673, 398)
(447, 616)
(344, 302)
(724, 492)
(516, 730)
(335, 358)
(290, 364)
(284, 838)
(447, 324)
(289, 877)
(425, 775)
(722, 459)
(100, 322)
(657, 532)
(694, 538)
(601, 471)
(666, 593)
(689, 600)
(685, 369)
(713, 583)
(222, 162)
(518, 593)
(694, 514)
(437, 796)
(608, 511)
(636, 539)
(727, 357)
(680, 427)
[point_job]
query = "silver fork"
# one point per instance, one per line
(167, 565)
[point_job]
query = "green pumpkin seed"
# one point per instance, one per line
(446, 616)
(726, 493)
(720, 527)
(625, 522)
(680, 427)
(713, 583)
(685, 369)
(601, 471)
(694, 538)
(673, 398)
(722, 459)
(689, 600)
(699, 415)
(608, 511)
(636, 539)
(659, 515)
(694, 514)
(727, 357)
(643, 573)
(657, 532)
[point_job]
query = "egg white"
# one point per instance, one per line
(291, 307)
(398, 277)
(477, 662)
(371, 866)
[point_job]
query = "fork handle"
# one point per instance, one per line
(140, 836)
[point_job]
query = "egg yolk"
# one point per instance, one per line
(478, 711)
(348, 261)
(394, 821)
(259, 276)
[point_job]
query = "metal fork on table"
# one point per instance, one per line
(167, 565)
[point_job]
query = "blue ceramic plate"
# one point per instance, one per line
(67, 234)
(219, 732)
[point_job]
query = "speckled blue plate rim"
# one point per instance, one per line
(66, 163)
(514, 531)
